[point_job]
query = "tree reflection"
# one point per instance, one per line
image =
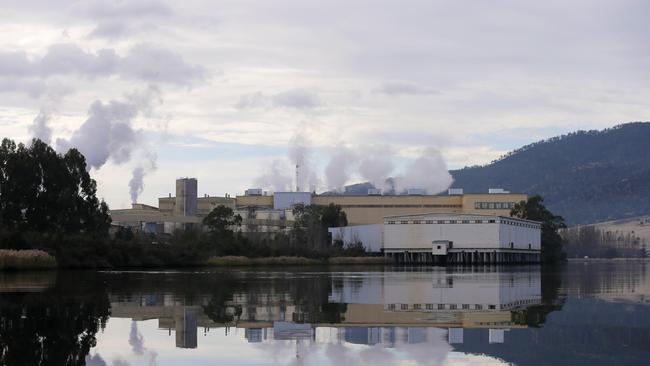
(53, 327)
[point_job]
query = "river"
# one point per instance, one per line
(584, 313)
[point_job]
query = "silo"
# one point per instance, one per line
(186, 197)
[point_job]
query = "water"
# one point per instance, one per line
(595, 313)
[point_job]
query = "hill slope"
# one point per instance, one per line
(586, 176)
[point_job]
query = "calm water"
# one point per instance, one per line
(595, 313)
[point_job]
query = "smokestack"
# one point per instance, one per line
(297, 178)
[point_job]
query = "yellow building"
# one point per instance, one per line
(257, 206)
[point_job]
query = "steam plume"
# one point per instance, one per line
(339, 168)
(106, 134)
(275, 178)
(428, 172)
(299, 155)
(136, 340)
(136, 184)
(376, 166)
(40, 128)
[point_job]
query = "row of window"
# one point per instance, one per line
(417, 307)
(494, 205)
(520, 224)
(403, 206)
(430, 222)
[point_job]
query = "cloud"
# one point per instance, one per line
(293, 98)
(149, 63)
(118, 19)
(404, 88)
(143, 62)
(296, 98)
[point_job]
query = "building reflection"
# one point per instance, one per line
(387, 308)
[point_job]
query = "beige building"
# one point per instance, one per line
(272, 212)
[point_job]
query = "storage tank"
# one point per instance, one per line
(186, 197)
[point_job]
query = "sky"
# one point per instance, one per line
(235, 93)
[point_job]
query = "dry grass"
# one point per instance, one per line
(289, 261)
(26, 259)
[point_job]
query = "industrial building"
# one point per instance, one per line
(448, 238)
(456, 227)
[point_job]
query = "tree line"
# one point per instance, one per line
(593, 241)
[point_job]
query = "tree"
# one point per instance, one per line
(221, 221)
(534, 209)
(45, 192)
(312, 221)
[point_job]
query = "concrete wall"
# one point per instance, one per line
(186, 197)
(368, 235)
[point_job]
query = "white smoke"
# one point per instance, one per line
(136, 184)
(106, 134)
(340, 168)
(136, 340)
(428, 172)
(275, 179)
(40, 128)
(300, 158)
(376, 166)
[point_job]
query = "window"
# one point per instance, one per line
(441, 306)
(429, 306)
(405, 306)
(391, 306)
(403, 222)
(429, 222)
(417, 307)
(391, 222)
(452, 306)
(441, 248)
(465, 306)
(465, 221)
(441, 221)
(491, 221)
(417, 221)
(452, 221)
(492, 307)
(478, 307)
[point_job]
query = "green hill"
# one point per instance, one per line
(585, 176)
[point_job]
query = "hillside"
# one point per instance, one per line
(585, 176)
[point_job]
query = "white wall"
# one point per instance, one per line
(420, 236)
(465, 233)
(520, 236)
(368, 235)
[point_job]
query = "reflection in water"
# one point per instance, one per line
(594, 313)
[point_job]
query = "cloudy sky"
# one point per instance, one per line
(225, 90)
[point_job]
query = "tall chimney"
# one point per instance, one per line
(297, 178)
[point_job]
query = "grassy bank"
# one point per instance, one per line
(290, 261)
(26, 259)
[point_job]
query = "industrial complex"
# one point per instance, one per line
(455, 227)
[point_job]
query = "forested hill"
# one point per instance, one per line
(585, 176)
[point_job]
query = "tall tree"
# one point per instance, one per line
(45, 192)
(222, 221)
(534, 209)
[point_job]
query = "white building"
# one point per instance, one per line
(461, 238)
(448, 237)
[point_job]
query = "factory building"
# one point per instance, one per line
(448, 238)
(266, 214)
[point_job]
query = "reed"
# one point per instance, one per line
(26, 259)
